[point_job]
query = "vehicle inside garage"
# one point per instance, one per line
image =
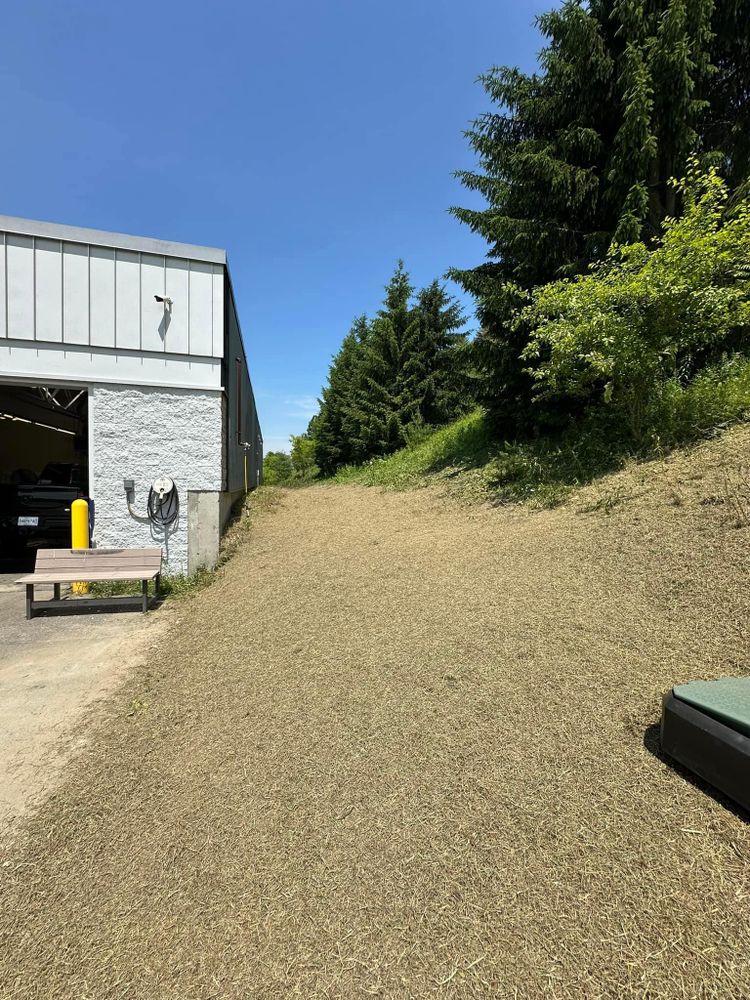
(43, 468)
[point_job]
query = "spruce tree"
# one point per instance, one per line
(727, 118)
(581, 154)
(440, 383)
(402, 370)
(333, 446)
(384, 400)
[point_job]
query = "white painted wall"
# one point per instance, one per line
(141, 434)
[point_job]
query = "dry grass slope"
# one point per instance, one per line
(407, 750)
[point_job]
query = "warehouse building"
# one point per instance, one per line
(123, 378)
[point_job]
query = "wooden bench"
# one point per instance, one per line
(57, 566)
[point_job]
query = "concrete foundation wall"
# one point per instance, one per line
(141, 434)
(204, 530)
(208, 514)
(227, 502)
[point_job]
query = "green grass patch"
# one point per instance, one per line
(465, 457)
(462, 445)
(171, 586)
(543, 472)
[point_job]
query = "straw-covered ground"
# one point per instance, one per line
(405, 749)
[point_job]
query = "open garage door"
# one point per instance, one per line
(43, 468)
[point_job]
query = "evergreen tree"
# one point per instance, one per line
(728, 114)
(333, 447)
(387, 387)
(400, 371)
(441, 385)
(581, 154)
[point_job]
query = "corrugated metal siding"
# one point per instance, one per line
(249, 428)
(54, 291)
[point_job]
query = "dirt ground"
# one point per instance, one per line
(408, 750)
(51, 671)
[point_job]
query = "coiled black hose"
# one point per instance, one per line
(163, 510)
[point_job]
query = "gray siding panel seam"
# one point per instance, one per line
(33, 285)
(88, 275)
(140, 301)
(114, 297)
(5, 263)
(62, 292)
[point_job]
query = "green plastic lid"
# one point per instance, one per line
(727, 700)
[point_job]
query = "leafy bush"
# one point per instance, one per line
(277, 468)
(544, 471)
(638, 326)
(304, 468)
(718, 396)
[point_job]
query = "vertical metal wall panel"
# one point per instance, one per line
(154, 316)
(48, 290)
(102, 296)
(20, 290)
(128, 300)
(55, 291)
(3, 296)
(75, 293)
(242, 405)
(176, 339)
(217, 324)
(201, 308)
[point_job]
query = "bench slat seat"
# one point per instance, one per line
(90, 576)
(58, 566)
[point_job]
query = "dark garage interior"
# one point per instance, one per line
(43, 468)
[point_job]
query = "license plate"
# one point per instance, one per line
(28, 522)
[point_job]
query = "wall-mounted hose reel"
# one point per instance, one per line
(163, 504)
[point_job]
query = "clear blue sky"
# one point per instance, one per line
(313, 139)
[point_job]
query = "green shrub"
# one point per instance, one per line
(716, 397)
(543, 471)
(277, 468)
(304, 469)
(416, 433)
(643, 318)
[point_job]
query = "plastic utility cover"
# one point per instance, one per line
(727, 700)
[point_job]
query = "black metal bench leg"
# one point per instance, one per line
(57, 591)
(29, 600)
(144, 585)
(158, 586)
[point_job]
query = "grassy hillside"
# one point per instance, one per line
(544, 472)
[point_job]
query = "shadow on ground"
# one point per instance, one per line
(652, 743)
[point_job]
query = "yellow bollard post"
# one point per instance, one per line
(79, 535)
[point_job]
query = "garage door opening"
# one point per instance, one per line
(43, 468)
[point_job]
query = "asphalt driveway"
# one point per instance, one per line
(51, 670)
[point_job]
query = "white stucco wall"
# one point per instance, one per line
(141, 434)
